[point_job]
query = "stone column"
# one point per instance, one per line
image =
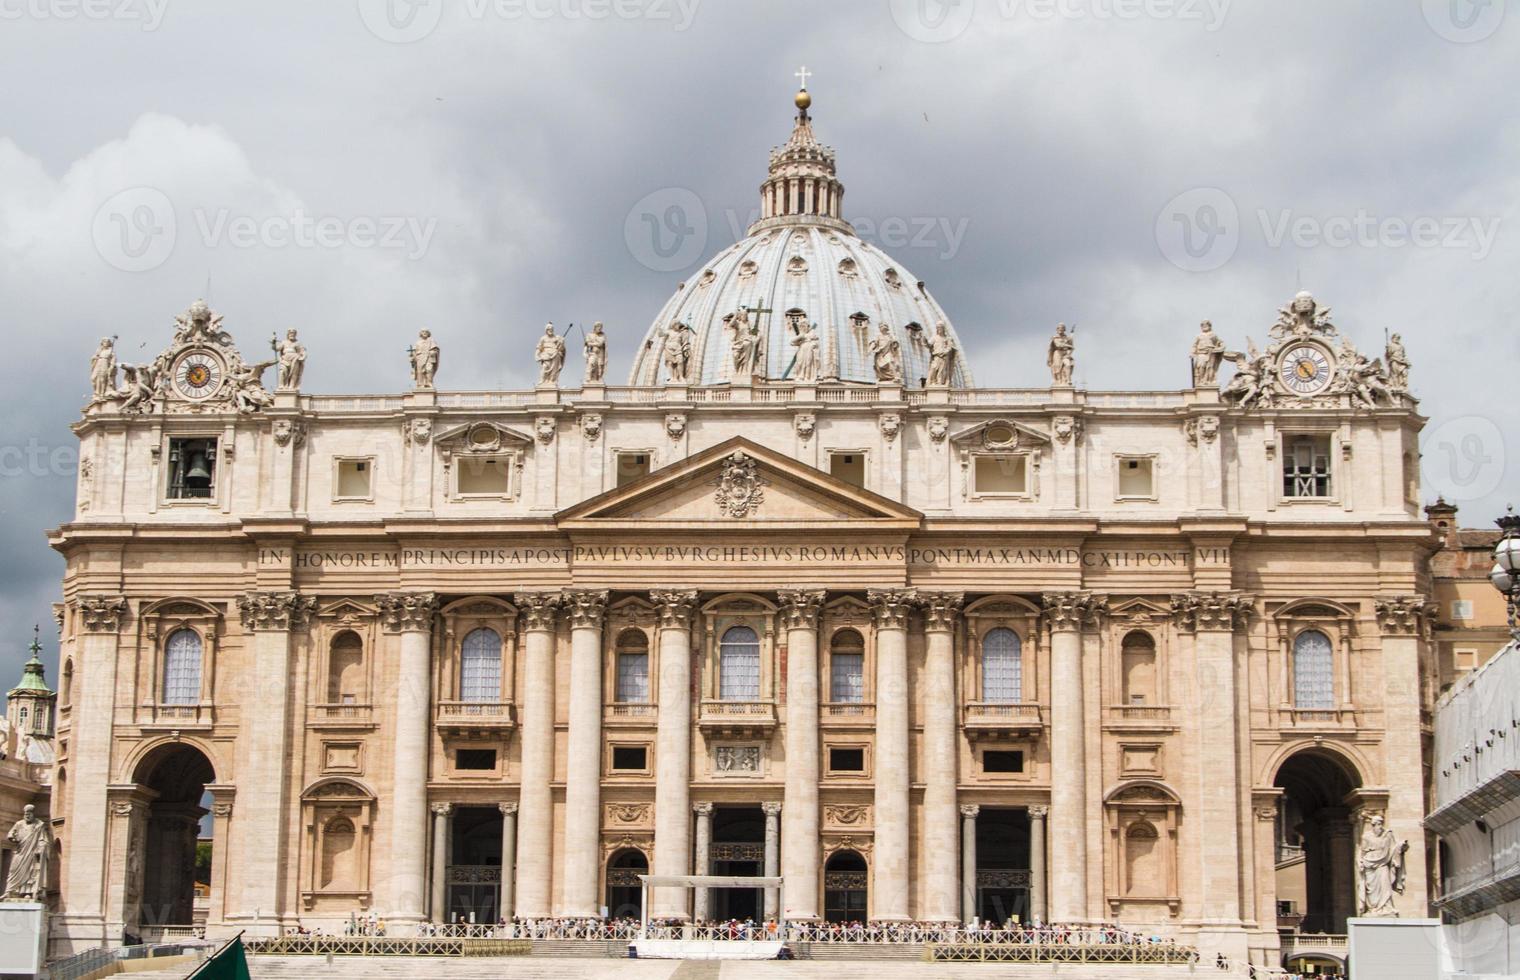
(890, 893)
(1064, 612)
(702, 897)
(941, 753)
(438, 906)
(672, 790)
(506, 902)
(583, 767)
(772, 858)
(1340, 849)
(535, 827)
(968, 861)
(264, 742)
(801, 857)
(1403, 621)
(86, 873)
(1037, 816)
(223, 795)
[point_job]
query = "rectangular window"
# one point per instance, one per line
(483, 476)
(1002, 760)
(631, 467)
(192, 469)
(475, 760)
(1461, 609)
(1002, 474)
(1306, 467)
(1137, 477)
(847, 760)
(1464, 658)
(632, 678)
(849, 467)
(847, 677)
(353, 479)
(630, 757)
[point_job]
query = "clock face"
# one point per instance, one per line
(198, 375)
(1304, 369)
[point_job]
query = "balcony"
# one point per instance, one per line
(345, 715)
(745, 719)
(475, 719)
(630, 714)
(1140, 718)
(998, 719)
(847, 714)
(1328, 946)
(1326, 719)
(175, 717)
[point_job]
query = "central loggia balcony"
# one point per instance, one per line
(737, 718)
(1002, 719)
(475, 718)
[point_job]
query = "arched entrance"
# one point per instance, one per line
(1315, 850)
(169, 853)
(844, 887)
(625, 896)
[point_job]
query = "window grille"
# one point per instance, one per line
(739, 665)
(480, 666)
(1002, 667)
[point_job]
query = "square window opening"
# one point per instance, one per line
(849, 467)
(1306, 467)
(192, 469)
(1002, 761)
(630, 757)
(1137, 477)
(632, 467)
(1005, 474)
(475, 760)
(484, 476)
(354, 479)
(847, 760)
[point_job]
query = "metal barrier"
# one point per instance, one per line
(1151, 953)
(298, 945)
(91, 960)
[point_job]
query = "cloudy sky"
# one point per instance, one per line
(481, 166)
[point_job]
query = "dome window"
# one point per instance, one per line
(747, 269)
(707, 278)
(796, 266)
(848, 269)
(893, 279)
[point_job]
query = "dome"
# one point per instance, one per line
(801, 266)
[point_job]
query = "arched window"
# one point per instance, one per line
(847, 664)
(1142, 859)
(345, 669)
(338, 853)
(480, 666)
(1313, 671)
(1002, 667)
(182, 668)
(1138, 656)
(739, 665)
(632, 683)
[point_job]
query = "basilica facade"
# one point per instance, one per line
(799, 599)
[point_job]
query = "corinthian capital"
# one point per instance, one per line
(585, 607)
(101, 613)
(274, 611)
(1212, 611)
(675, 607)
(1071, 610)
(408, 612)
(799, 608)
(891, 607)
(1401, 615)
(940, 609)
(537, 609)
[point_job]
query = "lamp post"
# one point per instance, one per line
(1506, 573)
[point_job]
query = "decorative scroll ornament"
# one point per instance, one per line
(740, 486)
(1402, 615)
(1067, 428)
(408, 612)
(289, 432)
(627, 814)
(266, 611)
(591, 426)
(101, 613)
(1212, 610)
(941, 609)
(1071, 610)
(419, 431)
(799, 608)
(1204, 428)
(806, 424)
(847, 815)
(544, 428)
(675, 607)
(537, 609)
(675, 426)
(939, 427)
(890, 607)
(585, 608)
(890, 426)
(441, 809)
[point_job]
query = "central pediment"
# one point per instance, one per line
(735, 483)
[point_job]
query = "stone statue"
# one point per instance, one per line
(1208, 351)
(1398, 364)
(550, 354)
(424, 356)
(29, 861)
(678, 353)
(745, 346)
(198, 324)
(1363, 379)
(291, 357)
(1380, 859)
(805, 366)
(1061, 357)
(139, 382)
(1253, 377)
(886, 356)
(596, 354)
(248, 394)
(1303, 317)
(942, 354)
(103, 370)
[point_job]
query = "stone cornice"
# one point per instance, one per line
(1402, 615)
(890, 607)
(675, 607)
(536, 610)
(585, 607)
(1212, 611)
(408, 612)
(800, 608)
(101, 613)
(266, 612)
(941, 610)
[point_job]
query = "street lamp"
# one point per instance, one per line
(1506, 573)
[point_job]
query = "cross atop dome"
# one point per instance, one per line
(802, 182)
